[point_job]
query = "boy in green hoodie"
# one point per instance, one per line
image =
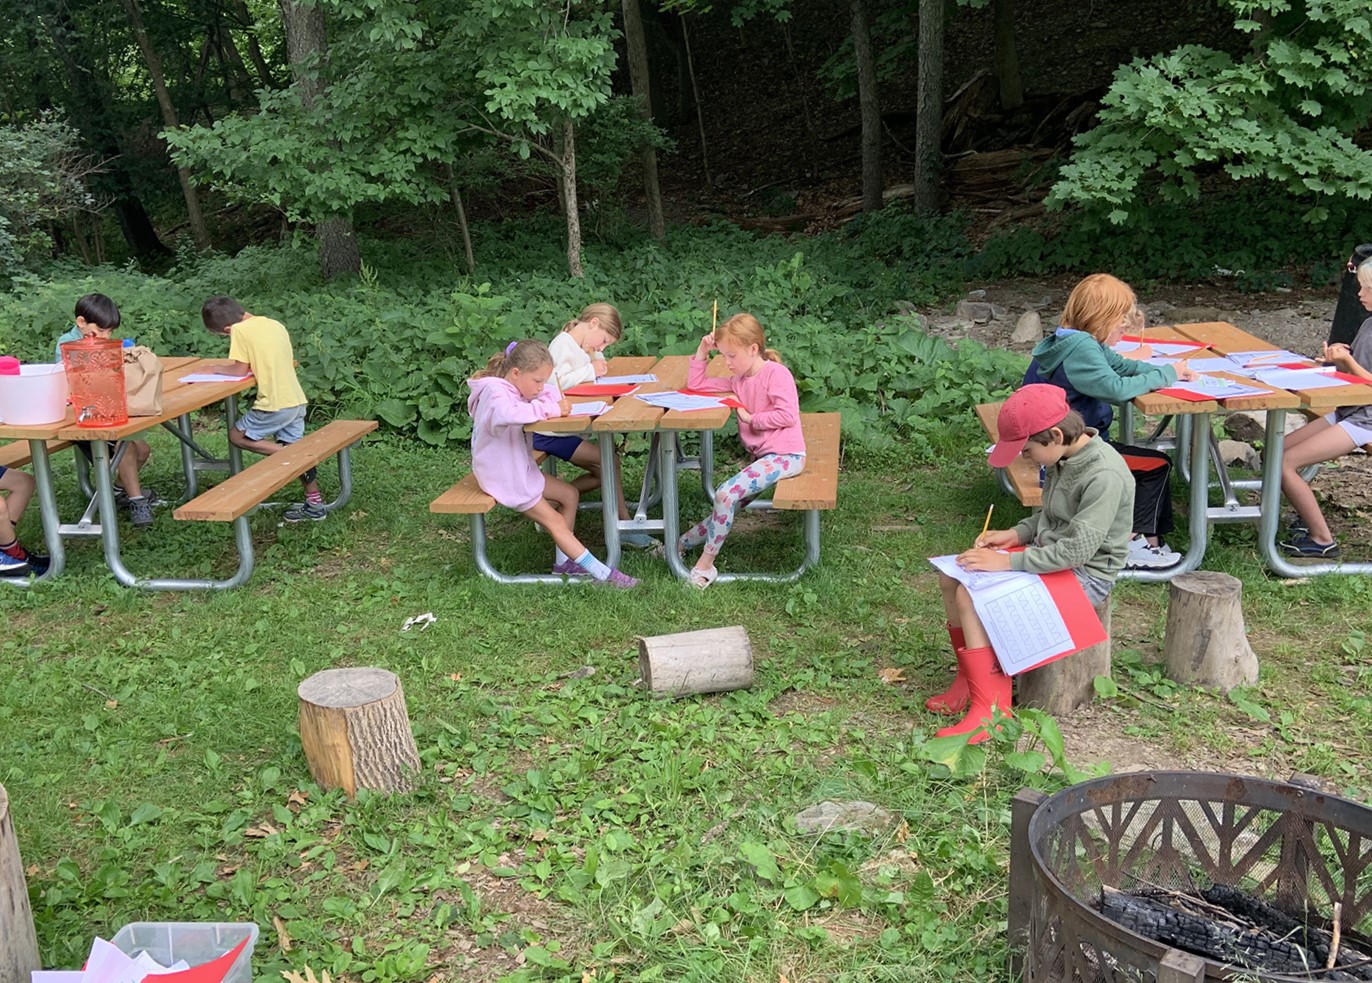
(1084, 526)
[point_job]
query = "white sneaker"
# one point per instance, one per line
(1137, 547)
(1151, 558)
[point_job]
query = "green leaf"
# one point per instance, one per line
(801, 897)
(1105, 687)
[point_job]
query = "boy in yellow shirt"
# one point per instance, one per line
(261, 346)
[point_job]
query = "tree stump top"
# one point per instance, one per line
(1207, 582)
(343, 688)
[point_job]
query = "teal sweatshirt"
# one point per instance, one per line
(1095, 372)
(1087, 517)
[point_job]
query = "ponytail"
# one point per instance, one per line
(772, 355)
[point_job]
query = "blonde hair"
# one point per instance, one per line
(1098, 304)
(606, 314)
(745, 329)
(1365, 273)
(527, 356)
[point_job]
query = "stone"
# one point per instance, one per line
(976, 295)
(998, 312)
(975, 311)
(852, 816)
(1249, 426)
(948, 327)
(1028, 329)
(904, 307)
(1237, 452)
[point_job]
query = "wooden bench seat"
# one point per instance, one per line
(239, 494)
(817, 486)
(1022, 476)
(467, 498)
(16, 454)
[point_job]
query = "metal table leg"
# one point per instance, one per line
(47, 511)
(1199, 507)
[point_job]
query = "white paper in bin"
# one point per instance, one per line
(195, 942)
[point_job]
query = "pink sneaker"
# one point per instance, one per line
(621, 580)
(569, 568)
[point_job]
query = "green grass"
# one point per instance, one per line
(148, 742)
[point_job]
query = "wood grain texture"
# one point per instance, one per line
(817, 486)
(714, 660)
(240, 493)
(355, 730)
(1023, 473)
(17, 454)
(1206, 642)
(467, 498)
(18, 942)
(1068, 683)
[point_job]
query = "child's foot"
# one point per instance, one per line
(701, 579)
(12, 566)
(304, 512)
(1305, 547)
(121, 497)
(140, 511)
(569, 568)
(621, 580)
(638, 540)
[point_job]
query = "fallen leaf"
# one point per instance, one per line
(297, 798)
(902, 832)
(111, 704)
(539, 835)
(261, 832)
(281, 935)
(229, 870)
(892, 675)
(307, 977)
(455, 676)
(33, 870)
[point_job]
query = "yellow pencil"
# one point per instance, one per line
(987, 524)
(714, 316)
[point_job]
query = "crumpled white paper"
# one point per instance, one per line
(420, 621)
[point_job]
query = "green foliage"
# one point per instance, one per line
(1286, 112)
(42, 171)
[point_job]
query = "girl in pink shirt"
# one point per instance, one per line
(768, 425)
(510, 392)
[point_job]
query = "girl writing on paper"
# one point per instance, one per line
(1078, 358)
(510, 392)
(1084, 526)
(1331, 436)
(768, 425)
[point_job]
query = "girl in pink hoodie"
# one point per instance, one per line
(511, 391)
(768, 425)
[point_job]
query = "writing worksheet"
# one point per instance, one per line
(594, 408)
(680, 401)
(1301, 378)
(625, 380)
(214, 377)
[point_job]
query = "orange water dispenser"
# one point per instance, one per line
(95, 375)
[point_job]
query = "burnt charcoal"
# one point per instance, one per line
(1311, 937)
(1242, 948)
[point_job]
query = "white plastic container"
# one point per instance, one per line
(37, 395)
(195, 942)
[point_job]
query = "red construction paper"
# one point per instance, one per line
(1077, 614)
(726, 400)
(593, 389)
(1185, 394)
(1348, 377)
(210, 972)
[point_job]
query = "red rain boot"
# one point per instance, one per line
(953, 700)
(989, 688)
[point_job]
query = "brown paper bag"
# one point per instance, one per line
(142, 381)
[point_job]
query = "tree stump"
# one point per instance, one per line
(1206, 643)
(1062, 686)
(355, 730)
(711, 661)
(18, 943)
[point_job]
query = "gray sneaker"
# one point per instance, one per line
(304, 512)
(140, 511)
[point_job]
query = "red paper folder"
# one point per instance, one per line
(1077, 614)
(1185, 394)
(722, 397)
(592, 389)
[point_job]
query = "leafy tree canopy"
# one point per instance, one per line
(1287, 112)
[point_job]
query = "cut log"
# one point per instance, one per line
(1206, 643)
(18, 942)
(1062, 686)
(355, 730)
(715, 660)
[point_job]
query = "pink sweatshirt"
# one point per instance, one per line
(502, 453)
(770, 396)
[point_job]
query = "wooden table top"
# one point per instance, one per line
(619, 365)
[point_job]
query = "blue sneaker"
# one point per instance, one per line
(1305, 547)
(638, 540)
(10, 567)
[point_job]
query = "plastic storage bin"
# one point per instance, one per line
(37, 395)
(195, 942)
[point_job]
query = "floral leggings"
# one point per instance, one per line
(756, 478)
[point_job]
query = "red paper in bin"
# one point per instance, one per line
(213, 971)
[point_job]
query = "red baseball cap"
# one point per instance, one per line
(1028, 411)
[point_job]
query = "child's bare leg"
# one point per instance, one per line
(587, 458)
(20, 486)
(1325, 442)
(972, 628)
(948, 587)
(565, 497)
(548, 515)
(127, 470)
(239, 439)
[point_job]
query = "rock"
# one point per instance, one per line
(1160, 307)
(1028, 329)
(916, 320)
(1237, 452)
(1197, 315)
(1250, 425)
(855, 815)
(975, 311)
(976, 295)
(904, 307)
(948, 327)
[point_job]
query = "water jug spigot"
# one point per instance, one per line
(86, 413)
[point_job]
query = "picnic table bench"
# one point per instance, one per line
(1021, 477)
(18, 454)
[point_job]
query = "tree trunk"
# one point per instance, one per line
(715, 660)
(1205, 642)
(569, 202)
(700, 113)
(245, 18)
(455, 196)
(869, 103)
(1007, 59)
(199, 233)
(1067, 683)
(18, 943)
(640, 83)
(355, 730)
(307, 48)
(929, 107)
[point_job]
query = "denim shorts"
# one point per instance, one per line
(286, 426)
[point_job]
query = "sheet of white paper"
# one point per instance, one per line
(58, 976)
(214, 377)
(594, 408)
(107, 964)
(680, 401)
(1125, 346)
(1300, 379)
(1174, 348)
(1269, 357)
(625, 380)
(1218, 365)
(1018, 613)
(1214, 387)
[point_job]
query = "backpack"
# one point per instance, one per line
(142, 381)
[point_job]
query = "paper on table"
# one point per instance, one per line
(1213, 387)
(1269, 356)
(680, 401)
(625, 380)
(595, 408)
(1301, 379)
(1028, 621)
(213, 377)
(1126, 346)
(1220, 364)
(1159, 347)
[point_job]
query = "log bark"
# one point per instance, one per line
(641, 85)
(355, 730)
(1062, 686)
(18, 942)
(715, 660)
(929, 106)
(1206, 643)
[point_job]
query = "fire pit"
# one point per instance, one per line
(1130, 842)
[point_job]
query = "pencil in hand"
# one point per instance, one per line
(985, 525)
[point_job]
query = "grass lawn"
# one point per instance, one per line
(573, 828)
